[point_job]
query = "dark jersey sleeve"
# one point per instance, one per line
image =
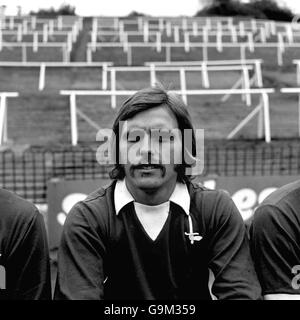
(27, 261)
(229, 253)
(275, 249)
(80, 259)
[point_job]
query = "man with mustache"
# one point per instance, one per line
(152, 233)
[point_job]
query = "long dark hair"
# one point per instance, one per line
(146, 99)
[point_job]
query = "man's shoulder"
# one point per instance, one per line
(97, 204)
(198, 190)
(14, 207)
(101, 194)
(213, 208)
(281, 207)
(210, 203)
(284, 199)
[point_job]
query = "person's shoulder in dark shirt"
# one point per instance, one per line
(274, 233)
(280, 208)
(96, 210)
(228, 246)
(23, 249)
(15, 209)
(213, 205)
(287, 193)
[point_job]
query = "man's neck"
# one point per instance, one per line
(152, 197)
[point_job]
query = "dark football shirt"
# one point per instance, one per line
(24, 250)
(107, 256)
(275, 241)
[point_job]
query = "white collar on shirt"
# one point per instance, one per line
(180, 196)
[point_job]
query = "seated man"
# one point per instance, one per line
(152, 233)
(24, 259)
(275, 243)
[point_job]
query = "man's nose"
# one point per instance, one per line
(145, 148)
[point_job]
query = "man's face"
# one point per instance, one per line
(147, 149)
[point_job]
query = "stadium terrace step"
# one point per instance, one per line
(37, 119)
(78, 52)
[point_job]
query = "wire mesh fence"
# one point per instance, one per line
(27, 173)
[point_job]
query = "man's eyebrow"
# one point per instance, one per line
(133, 130)
(154, 127)
(130, 130)
(136, 129)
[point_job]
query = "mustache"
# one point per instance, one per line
(142, 165)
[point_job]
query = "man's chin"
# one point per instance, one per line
(148, 182)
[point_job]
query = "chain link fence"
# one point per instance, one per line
(27, 173)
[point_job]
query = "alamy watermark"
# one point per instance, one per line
(170, 146)
(2, 277)
(296, 280)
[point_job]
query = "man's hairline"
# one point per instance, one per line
(163, 105)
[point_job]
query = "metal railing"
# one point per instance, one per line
(261, 110)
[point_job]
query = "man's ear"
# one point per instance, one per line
(195, 164)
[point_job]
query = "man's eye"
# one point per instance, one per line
(133, 138)
(166, 138)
